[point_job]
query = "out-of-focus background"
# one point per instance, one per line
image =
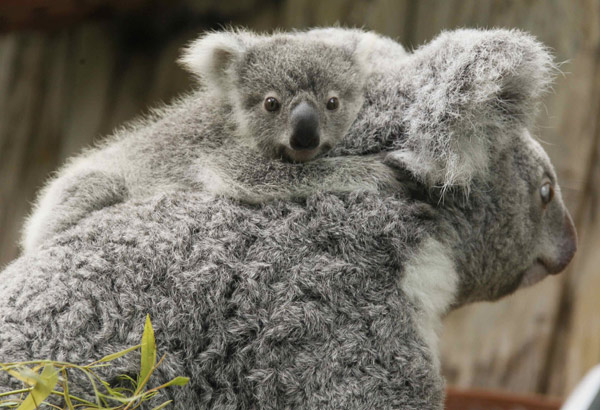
(73, 70)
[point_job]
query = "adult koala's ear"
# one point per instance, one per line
(212, 56)
(470, 92)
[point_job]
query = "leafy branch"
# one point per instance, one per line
(42, 377)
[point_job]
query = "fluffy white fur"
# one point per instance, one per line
(431, 282)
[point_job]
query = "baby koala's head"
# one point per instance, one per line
(293, 96)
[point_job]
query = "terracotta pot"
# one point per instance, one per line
(457, 399)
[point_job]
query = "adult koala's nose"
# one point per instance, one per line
(565, 248)
(305, 127)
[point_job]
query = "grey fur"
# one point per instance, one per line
(221, 131)
(331, 300)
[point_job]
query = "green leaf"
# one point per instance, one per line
(122, 399)
(42, 389)
(65, 386)
(132, 382)
(148, 350)
(112, 392)
(24, 374)
(162, 406)
(178, 381)
(114, 356)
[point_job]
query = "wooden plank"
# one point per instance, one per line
(576, 348)
(27, 14)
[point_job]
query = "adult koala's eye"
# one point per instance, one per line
(271, 104)
(547, 193)
(333, 103)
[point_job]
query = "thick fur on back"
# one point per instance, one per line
(271, 307)
(322, 299)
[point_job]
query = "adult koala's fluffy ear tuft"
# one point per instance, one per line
(471, 91)
(211, 57)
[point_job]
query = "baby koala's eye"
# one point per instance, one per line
(333, 103)
(271, 104)
(547, 193)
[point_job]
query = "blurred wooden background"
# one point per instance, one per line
(72, 70)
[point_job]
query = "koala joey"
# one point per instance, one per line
(265, 102)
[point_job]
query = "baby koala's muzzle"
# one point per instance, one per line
(305, 127)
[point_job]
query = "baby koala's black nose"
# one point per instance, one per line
(305, 127)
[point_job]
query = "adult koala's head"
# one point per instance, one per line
(471, 99)
(293, 97)
(513, 228)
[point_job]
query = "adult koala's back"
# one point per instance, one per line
(330, 300)
(284, 305)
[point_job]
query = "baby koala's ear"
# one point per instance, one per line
(377, 53)
(211, 56)
(364, 50)
(374, 52)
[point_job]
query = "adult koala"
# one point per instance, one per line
(331, 300)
